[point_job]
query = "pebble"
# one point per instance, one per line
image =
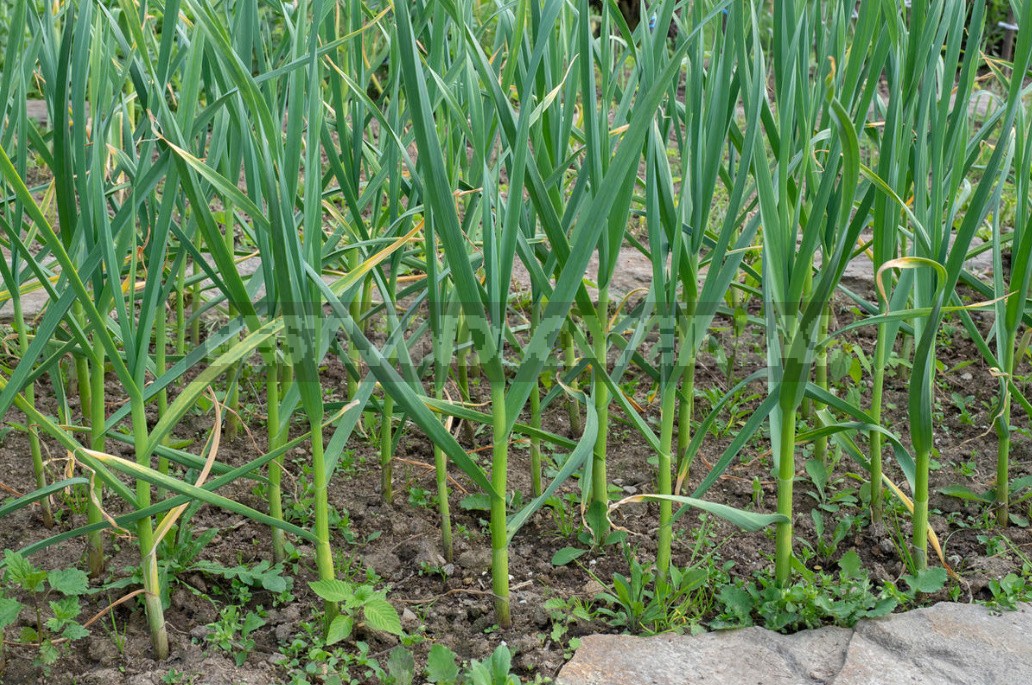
(198, 583)
(475, 559)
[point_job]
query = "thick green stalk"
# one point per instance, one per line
(152, 592)
(462, 363)
(535, 419)
(95, 540)
(686, 404)
(806, 409)
(685, 409)
(443, 507)
(820, 445)
(161, 362)
(786, 476)
(82, 367)
(907, 352)
(569, 361)
(323, 552)
(365, 303)
(664, 485)
(599, 480)
(272, 395)
(535, 443)
(922, 459)
(195, 307)
(145, 539)
(233, 423)
(38, 469)
(354, 261)
(499, 534)
(877, 390)
(462, 342)
(684, 412)
(1003, 433)
(181, 309)
(160, 366)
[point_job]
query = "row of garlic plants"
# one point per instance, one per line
(389, 166)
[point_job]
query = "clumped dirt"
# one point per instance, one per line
(397, 544)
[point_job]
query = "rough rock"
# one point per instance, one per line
(149, 678)
(942, 645)
(418, 552)
(475, 560)
(102, 676)
(386, 563)
(947, 643)
(103, 651)
(284, 632)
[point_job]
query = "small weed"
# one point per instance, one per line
(420, 497)
(232, 632)
(963, 403)
(54, 598)
(823, 598)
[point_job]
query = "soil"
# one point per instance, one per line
(397, 544)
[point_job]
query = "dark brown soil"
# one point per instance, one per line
(451, 603)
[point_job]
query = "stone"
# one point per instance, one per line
(386, 564)
(751, 656)
(150, 678)
(102, 650)
(947, 643)
(198, 582)
(420, 552)
(944, 644)
(284, 632)
(475, 560)
(102, 676)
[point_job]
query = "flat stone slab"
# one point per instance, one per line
(947, 644)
